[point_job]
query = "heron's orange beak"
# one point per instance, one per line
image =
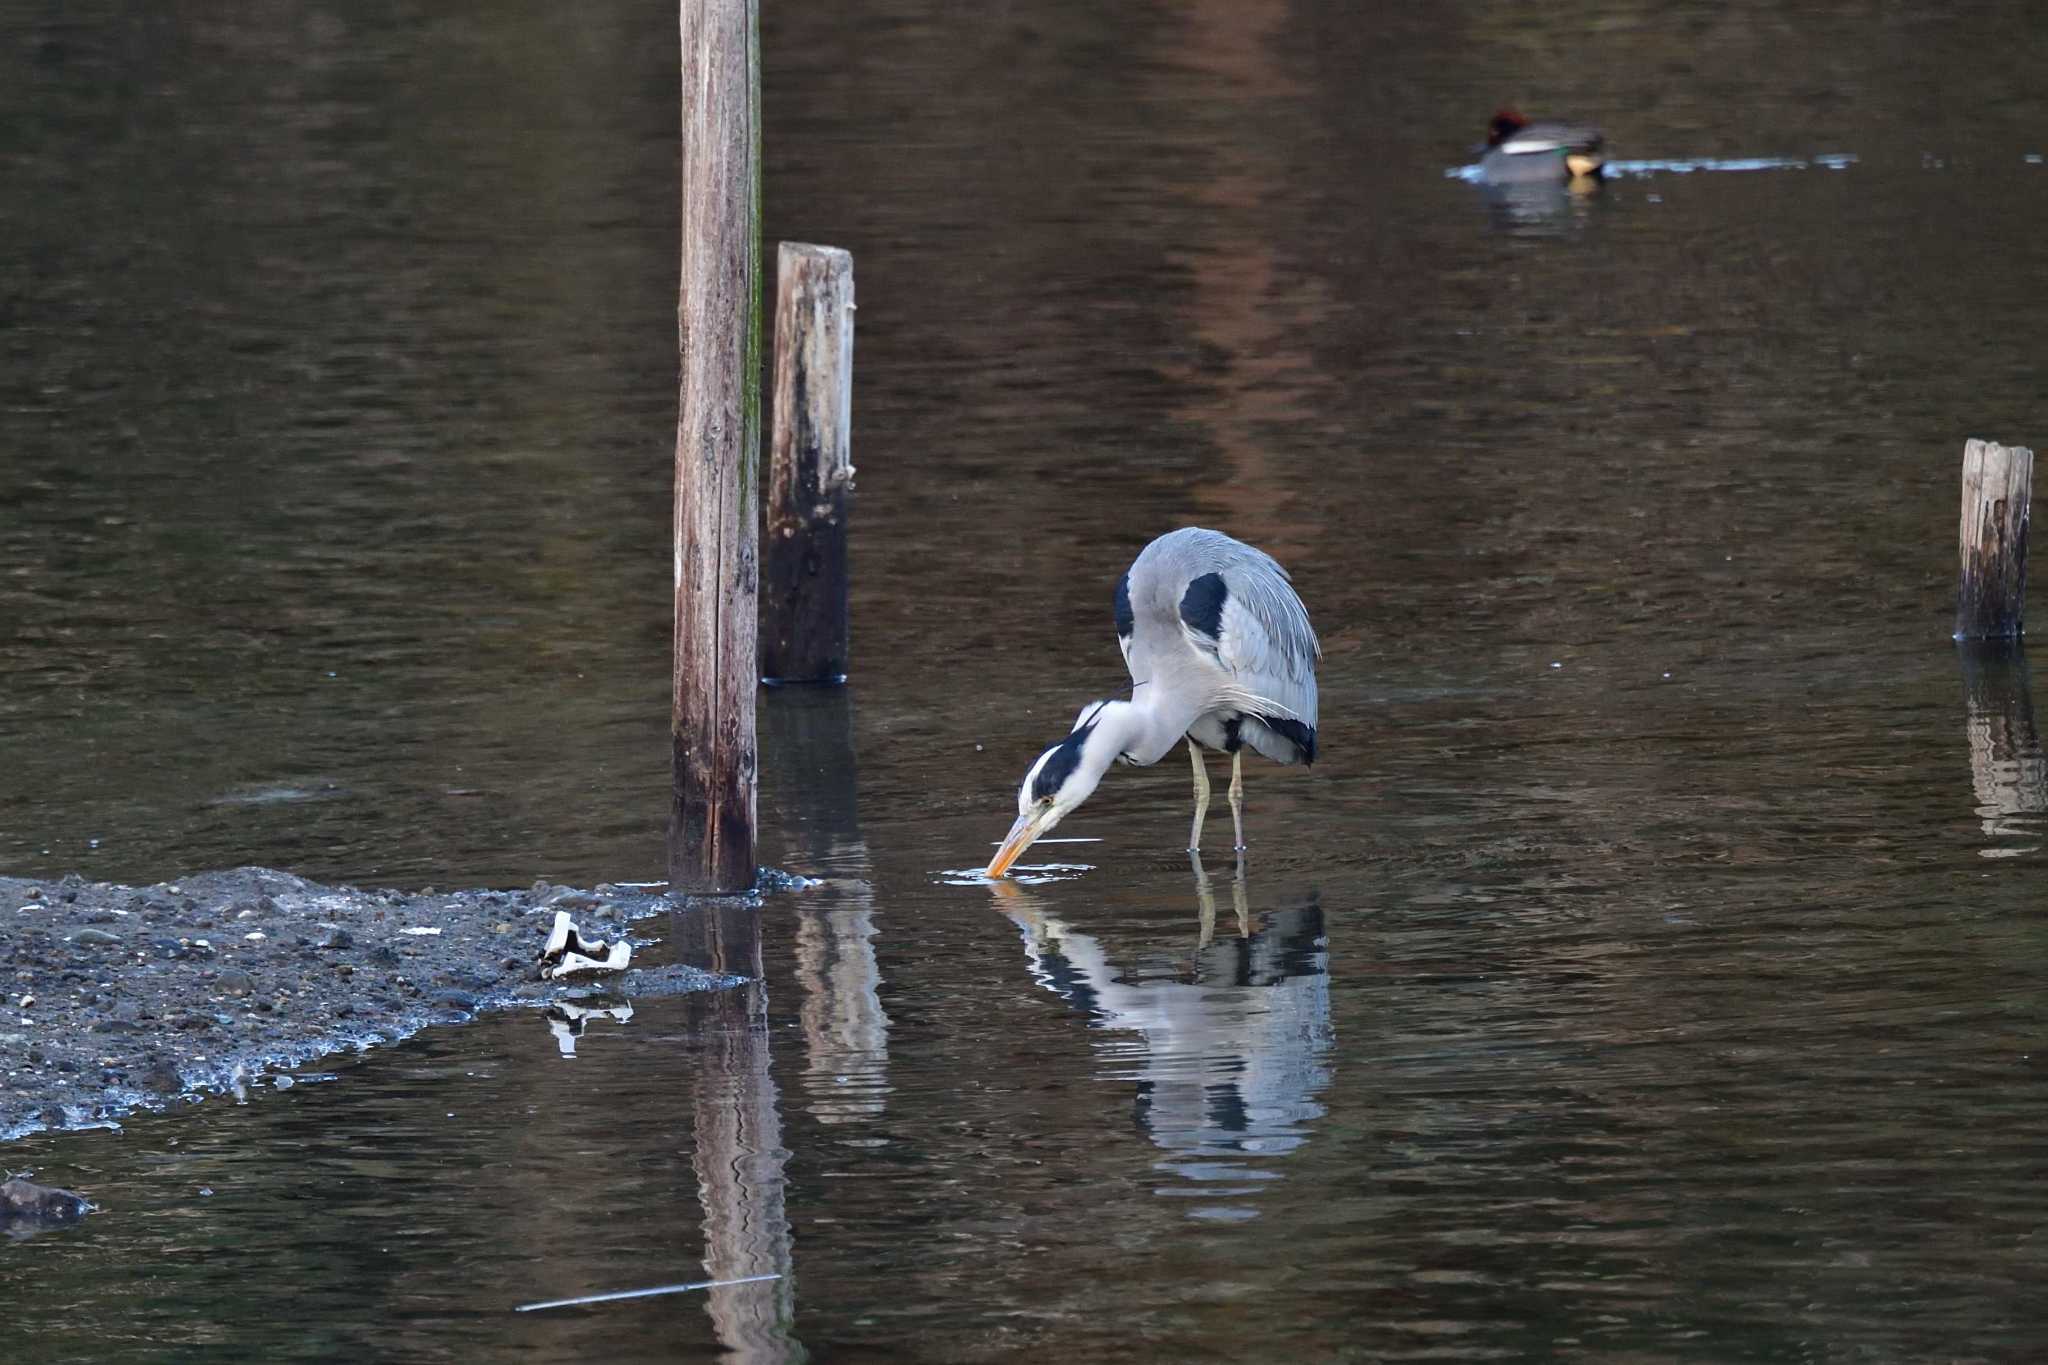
(1022, 835)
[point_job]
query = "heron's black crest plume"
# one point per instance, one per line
(1059, 764)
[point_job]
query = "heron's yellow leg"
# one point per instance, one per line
(1201, 798)
(1237, 796)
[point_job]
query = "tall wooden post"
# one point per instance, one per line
(1997, 488)
(810, 468)
(718, 434)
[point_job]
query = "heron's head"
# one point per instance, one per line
(1062, 778)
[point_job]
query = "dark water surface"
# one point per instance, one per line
(1653, 967)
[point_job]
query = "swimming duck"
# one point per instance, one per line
(1521, 152)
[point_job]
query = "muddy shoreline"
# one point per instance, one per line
(115, 998)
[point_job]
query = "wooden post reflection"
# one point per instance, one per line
(811, 789)
(2007, 767)
(846, 1033)
(739, 1153)
(808, 787)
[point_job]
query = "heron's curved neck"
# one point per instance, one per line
(1147, 727)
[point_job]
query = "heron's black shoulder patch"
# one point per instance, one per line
(1303, 737)
(1126, 622)
(1201, 606)
(1060, 762)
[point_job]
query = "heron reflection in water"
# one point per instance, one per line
(1230, 1057)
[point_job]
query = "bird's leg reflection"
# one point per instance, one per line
(1201, 797)
(1237, 802)
(1226, 1064)
(1205, 902)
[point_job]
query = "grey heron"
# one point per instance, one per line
(1220, 653)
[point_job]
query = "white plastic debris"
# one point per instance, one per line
(567, 951)
(417, 931)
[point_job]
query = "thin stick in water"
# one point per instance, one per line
(640, 1293)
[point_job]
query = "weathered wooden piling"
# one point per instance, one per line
(1997, 488)
(810, 468)
(718, 432)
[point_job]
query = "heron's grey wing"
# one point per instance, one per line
(1247, 619)
(1276, 663)
(1126, 621)
(1257, 633)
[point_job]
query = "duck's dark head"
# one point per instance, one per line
(1506, 123)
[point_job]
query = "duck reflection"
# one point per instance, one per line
(1229, 1057)
(1548, 209)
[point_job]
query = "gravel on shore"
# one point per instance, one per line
(119, 997)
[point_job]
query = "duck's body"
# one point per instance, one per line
(1522, 152)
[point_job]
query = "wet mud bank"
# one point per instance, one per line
(114, 998)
